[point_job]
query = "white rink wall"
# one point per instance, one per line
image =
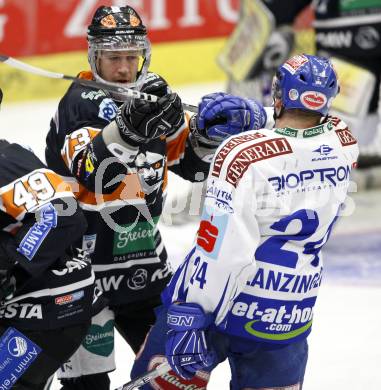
(345, 344)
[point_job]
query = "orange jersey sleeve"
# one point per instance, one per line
(31, 191)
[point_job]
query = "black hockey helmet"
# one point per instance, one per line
(119, 29)
(115, 21)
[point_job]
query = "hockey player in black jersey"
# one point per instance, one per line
(46, 288)
(116, 153)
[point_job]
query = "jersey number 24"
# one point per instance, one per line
(271, 251)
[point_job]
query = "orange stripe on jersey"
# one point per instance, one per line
(31, 191)
(128, 189)
(86, 74)
(75, 142)
(165, 179)
(176, 146)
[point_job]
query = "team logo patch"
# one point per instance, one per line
(229, 146)
(170, 381)
(250, 328)
(207, 235)
(93, 95)
(346, 138)
(134, 21)
(17, 353)
(88, 242)
(107, 109)
(21, 310)
(295, 62)
(138, 280)
(211, 233)
(313, 131)
(136, 239)
(38, 232)
(293, 94)
(108, 21)
(313, 100)
(306, 178)
(323, 150)
(287, 131)
(89, 166)
(219, 197)
(100, 339)
(69, 298)
(254, 153)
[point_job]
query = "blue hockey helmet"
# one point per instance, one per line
(306, 82)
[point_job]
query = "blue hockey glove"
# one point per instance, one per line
(222, 115)
(186, 348)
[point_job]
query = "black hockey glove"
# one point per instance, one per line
(155, 85)
(140, 121)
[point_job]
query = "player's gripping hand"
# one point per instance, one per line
(186, 348)
(222, 115)
(155, 85)
(140, 121)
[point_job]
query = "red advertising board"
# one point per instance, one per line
(30, 27)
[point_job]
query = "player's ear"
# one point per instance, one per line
(277, 106)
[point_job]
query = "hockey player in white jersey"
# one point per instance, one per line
(247, 289)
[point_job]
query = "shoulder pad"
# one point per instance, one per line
(16, 161)
(82, 106)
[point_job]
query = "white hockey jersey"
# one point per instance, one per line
(273, 197)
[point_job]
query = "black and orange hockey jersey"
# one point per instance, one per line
(127, 252)
(39, 222)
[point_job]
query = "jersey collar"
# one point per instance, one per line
(306, 133)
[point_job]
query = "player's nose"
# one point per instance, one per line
(124, 67)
